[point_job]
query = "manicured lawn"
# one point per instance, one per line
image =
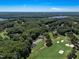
(2, 34)
(78, 51)
(38, 46)
(51, 52)
(77, 55)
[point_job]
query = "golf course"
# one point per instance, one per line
(42, 52)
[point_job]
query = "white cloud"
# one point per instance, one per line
(65, 9)
(38, 9)
(56, 9)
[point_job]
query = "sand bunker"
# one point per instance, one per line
(61, 52)
(62, 41)
(69, 45)
(58, 42)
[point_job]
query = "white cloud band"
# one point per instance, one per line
(38, 9)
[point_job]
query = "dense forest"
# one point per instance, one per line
(17, 34)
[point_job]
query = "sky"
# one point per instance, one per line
(39, 5)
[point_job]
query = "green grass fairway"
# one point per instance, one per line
(77, 55)
(78, 51)
(42, 52)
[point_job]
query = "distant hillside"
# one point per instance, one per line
(36, 14)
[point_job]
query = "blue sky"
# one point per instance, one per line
(39, 5)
